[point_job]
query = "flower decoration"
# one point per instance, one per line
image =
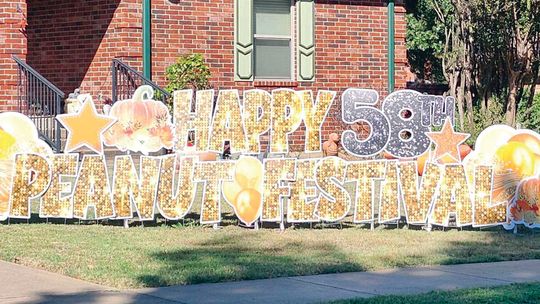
(144, 125)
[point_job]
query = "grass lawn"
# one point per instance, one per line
(168, 255)
(511, 294)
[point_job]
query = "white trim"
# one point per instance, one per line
(271, 37)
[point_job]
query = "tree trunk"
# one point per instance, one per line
(511, 105)
(460, 96)
(453, 89)
(468, 98)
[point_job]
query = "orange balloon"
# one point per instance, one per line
(532, 142)
(421, 162)
(247, 206)
(387, 155)
(516, 156)
(464, 150)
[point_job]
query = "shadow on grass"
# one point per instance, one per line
(230, 258)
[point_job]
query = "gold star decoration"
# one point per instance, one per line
(447, 141)
(85, 128)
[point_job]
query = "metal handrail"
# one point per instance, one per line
(49, 84)
(124, 76)
(41, 101)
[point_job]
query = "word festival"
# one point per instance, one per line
(412, 165)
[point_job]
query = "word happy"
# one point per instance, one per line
(281, 113)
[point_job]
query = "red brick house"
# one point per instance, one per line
(301, 44)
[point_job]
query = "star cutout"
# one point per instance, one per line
(85, 128)
(447, 141)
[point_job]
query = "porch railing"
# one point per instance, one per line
(125, 80)
(41, 101)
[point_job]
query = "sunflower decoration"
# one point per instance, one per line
(18, 134)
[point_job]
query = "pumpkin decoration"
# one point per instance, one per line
(244, 194)
(143, 124)
(525, 208)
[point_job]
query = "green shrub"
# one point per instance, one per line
(528, 117)
(493, 115)
(188, 72)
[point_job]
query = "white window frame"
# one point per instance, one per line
(292, 44)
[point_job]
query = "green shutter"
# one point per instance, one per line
(306, 39)
(243, 40)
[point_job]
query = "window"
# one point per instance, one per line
(264, 47)
(272, 39)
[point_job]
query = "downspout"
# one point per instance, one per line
(391, 47)
(147, 38)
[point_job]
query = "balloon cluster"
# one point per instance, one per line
(515, 155)
(244, 194)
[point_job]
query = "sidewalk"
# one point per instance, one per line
(19, 284)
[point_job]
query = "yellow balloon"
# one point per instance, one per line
(6, 143)
(247, 205)
(5, 184)
(249, 172)
(230, 191)
(18, 125)
(517, 157)
(492, 138)
(537, 164)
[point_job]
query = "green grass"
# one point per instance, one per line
(510, 294)
(168, 255)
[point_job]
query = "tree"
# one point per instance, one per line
(490, 49)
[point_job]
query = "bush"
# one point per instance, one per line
(528, 117)
(189, 72)
(493, 115)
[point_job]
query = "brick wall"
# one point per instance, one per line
(72, 43)
(13, 42)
